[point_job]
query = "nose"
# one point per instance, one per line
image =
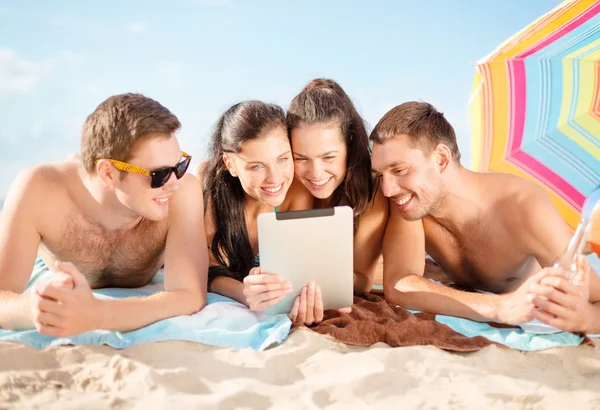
(389, 187)
(172, 184)
(274, 175)
(315, 170)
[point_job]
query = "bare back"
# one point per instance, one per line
(64, 215)
(497, 250)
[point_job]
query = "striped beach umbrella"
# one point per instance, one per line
(535, 105)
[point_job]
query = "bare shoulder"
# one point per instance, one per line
(297, 198)
(46, 182)
(189, 192)
(376, 214)
(517, 195)
(379, 205)
(524, 206)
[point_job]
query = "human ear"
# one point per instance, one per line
(443, 156)
(106, 172)
(229, 165)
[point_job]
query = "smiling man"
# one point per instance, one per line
(112, 219)
(488, 231)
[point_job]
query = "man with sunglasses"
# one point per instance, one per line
(111, 219)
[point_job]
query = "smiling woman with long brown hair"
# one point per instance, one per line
(250, 171)
(333, 161)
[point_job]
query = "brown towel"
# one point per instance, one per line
(374, 320)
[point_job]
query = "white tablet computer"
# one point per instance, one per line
(314, 245)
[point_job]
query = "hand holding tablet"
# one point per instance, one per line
(303, 247)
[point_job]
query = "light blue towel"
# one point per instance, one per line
(518, 338)
(223, 322)
(515, 338)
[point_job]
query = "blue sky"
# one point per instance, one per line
(60, 59)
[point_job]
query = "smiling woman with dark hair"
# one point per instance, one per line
(333, 161)
(250, 171)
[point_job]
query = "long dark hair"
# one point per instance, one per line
(323, 101)
(231, 246)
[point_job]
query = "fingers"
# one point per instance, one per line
(48, 290)
(264, 290)
(294, 312)
(547, 272)
(267, 287)
(62, 280)
(262, 305)
(254, 271)
(318, 311)
(550, 307)
(48, 319)
(46, 305)
(561, 284)
(301, 316)
(549, 319)
(69, 268)
(310, 304)
(549, 293)
(260, 279)
(583, 268)
(310, 310)
(51, 330)
(255, 298)
(345, 310)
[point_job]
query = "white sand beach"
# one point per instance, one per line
(307, 371)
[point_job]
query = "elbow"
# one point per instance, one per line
(200, 303)
(398, 290)
(362, 283)
(196, 302)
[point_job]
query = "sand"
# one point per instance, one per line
(306, 371)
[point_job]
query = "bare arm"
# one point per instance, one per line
(19, 241)
(546, 234)
(368, 242)
(404, 284)
(186, 267)
(229, 287)
(297, 198)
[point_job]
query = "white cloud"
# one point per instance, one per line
(19, 75)
(138, 27)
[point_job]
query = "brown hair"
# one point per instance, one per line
(231, 246)
(323, 101)
(426, 126)
(119, 122)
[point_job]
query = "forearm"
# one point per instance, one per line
(230, 288)
(416, 292)
(15, 311)
(133, 313)
(594, 326)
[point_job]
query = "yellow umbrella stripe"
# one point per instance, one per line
(545, 27)
(585, 100)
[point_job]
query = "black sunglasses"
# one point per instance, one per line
(160, 176)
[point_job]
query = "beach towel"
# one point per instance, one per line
(223, 322)
(374, 320)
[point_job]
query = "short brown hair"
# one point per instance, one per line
(426, 126)
(114, 127)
